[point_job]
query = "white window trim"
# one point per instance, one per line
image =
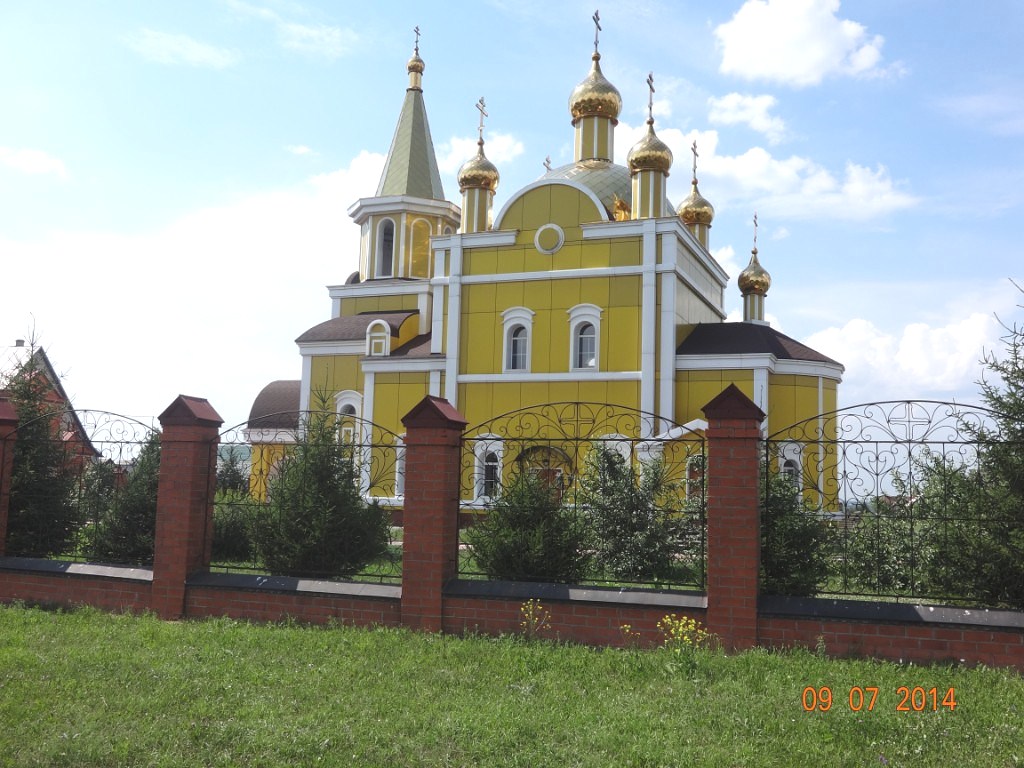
(379, 260)
(579, 315)
(372, 329)
(400, 466)
(512, 318)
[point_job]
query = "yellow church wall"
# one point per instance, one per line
(394, 395)
(480, 402)
(358, 305)
(407, 331)
(330, 374)
(625, 252)
(695, 389)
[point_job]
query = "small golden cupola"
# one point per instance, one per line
(595, 105)
(649, 162)
(478, 181)
(695, 211)
(754, 282)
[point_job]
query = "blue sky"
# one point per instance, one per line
(174, 177)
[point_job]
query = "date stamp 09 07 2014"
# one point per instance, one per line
(866, 699)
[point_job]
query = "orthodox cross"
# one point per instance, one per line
(755, 231)
(547, 162)
(483, 113)
(650, 97)
(597, 25)
(416, 29)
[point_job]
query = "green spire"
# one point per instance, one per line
(411, 167)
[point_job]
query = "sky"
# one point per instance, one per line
(175, 177)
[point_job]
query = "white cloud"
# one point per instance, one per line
(784, 188)
(167, 48)
(226, 291)
(299, 149)
(913, 362)
(33, 162)
(752, 111)
(798, 43)
(499, 148)
(325, 40)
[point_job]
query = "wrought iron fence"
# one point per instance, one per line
(309, 494)
(585, 493)
(905, 500)
(83, 487)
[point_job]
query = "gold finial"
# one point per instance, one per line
(547, 162)
(650, 98)
(483, 113)
(694, 150)
(416, 48)
(597, 28)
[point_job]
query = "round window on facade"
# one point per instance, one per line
(549, 238)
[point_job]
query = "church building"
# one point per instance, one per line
(587, 285)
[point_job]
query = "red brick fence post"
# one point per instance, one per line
(8, 434)
(430, 547)
(733, 515)
(184, 505)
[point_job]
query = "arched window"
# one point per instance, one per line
(586, 346)
(492, 473)
(518, 322)
(791, 471)
(378, 339)
(487, 452)
(518, 346)
(347, 410)
(584, 337)
(386, 249)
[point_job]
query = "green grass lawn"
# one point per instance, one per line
(90, 689)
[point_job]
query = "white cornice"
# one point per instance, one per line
(759, 360)
(485, 378)
(386, 287)
(368, 206)
(318, 348)
(404, 364)
(554, 274)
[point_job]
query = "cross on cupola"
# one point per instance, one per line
(597, 28)
(483, 113)
(416, 47)
(650, 97)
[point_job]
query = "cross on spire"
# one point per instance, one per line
(650, 98)
(547, 162)
(483, 113)
(597, 28)
(416, 29)
(694, 150)
(755, 232)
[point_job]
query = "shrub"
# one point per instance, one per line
(637, 515)
(43, 519)
(795, 541)
(234, 519)
(126, 531)
(317, 522)
(529, 535)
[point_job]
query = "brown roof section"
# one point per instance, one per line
(276, 406)
(353, 328)
(745, 339)
(417, 347)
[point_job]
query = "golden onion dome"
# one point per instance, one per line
(595, 96)
(650, 153)
(695, 209)
(478, 172)
(755, 278)
(416, 64)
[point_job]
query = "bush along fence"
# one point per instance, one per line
(744, 519)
